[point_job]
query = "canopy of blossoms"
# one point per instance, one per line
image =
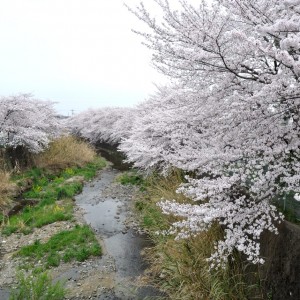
(27, 122)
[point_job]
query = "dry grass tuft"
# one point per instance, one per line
(161, 187)
(66, 151)
(7, 189)
(181, 270)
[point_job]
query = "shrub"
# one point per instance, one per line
(65, 152)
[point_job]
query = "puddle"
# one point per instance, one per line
(104, 218)
(106, 214)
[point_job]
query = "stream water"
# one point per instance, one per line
(107, 213)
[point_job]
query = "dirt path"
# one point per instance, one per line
(107, 207)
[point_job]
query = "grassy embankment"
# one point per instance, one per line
(180, 268)
(57, 176)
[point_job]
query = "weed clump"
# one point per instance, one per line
(37, 286)
(64, 152)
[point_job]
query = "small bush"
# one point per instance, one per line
(53, 260)
(64, 152)
(8, 230)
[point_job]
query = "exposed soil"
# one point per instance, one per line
(107, 207)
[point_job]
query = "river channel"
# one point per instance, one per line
(107, 209)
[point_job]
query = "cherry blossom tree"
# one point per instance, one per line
(108, 124)
(163, 127)
(27, 122)
(231, 115)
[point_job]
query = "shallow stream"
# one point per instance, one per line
(108, 212)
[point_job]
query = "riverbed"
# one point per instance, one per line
(108, 209)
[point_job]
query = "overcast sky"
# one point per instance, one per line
(80, 53)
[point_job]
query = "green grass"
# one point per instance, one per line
(49, 188)
(131, 177)
(37, 286)
(90, 169)
(38, 216)
(42, 177)
(151, 216)
(77, 244)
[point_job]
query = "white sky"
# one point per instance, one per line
(80, 53)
